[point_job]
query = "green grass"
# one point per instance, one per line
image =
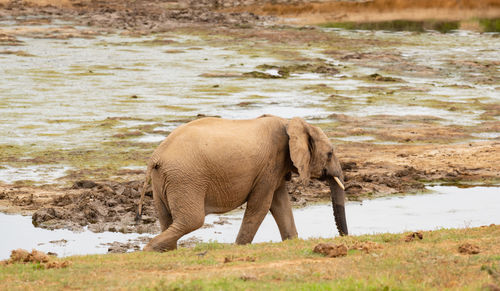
(431, 263)
(490, 25)
(397, 25)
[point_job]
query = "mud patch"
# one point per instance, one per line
(331, 250)
(130, 245)
(414, 236)
(145, 17)
(105, 206)
(468, 249)
(21, 256)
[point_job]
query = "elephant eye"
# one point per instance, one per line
(330, 155)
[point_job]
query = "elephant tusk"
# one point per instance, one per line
(338, 182)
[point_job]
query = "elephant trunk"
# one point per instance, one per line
(338, 200)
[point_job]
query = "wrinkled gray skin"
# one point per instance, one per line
(214, 165)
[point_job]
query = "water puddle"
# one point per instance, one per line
(20, 233)
(446, 207)
(39, 174)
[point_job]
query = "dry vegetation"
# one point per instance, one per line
(444, 259)
(378, 10)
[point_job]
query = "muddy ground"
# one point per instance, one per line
(412, 149)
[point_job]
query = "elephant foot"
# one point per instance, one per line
(156, 245)
(149, 248)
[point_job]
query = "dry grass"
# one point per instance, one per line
(378, 10)
(431, 263)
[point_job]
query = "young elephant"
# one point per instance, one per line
(214, 165)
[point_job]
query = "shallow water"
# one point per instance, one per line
(446, 207)
(60, 94)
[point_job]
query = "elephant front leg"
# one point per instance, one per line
(281, 209)
(258, 205)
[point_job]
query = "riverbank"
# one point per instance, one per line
(455, 259)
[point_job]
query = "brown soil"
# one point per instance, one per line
(21, 256)
(468, 249)
(331, 250)
(139, 17)
(103, 206)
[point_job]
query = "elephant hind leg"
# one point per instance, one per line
(167, 240)
(187, 216)
(160, 200)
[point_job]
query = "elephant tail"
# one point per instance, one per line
(147, 180)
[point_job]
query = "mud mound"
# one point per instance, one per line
(468, 249)
(331, 250)
(23, 256)
(413, 236)
(366, 246)
(108, 206)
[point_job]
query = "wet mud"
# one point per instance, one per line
(43, 260)
(141, 17)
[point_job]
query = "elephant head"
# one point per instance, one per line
(312, 154)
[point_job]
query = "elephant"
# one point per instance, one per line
(214, 165)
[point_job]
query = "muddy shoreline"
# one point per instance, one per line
(370, 171)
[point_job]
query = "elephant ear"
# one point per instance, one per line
(300, 147)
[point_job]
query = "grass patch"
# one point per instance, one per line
(490, 25)
(397, 25)
(431, 263)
